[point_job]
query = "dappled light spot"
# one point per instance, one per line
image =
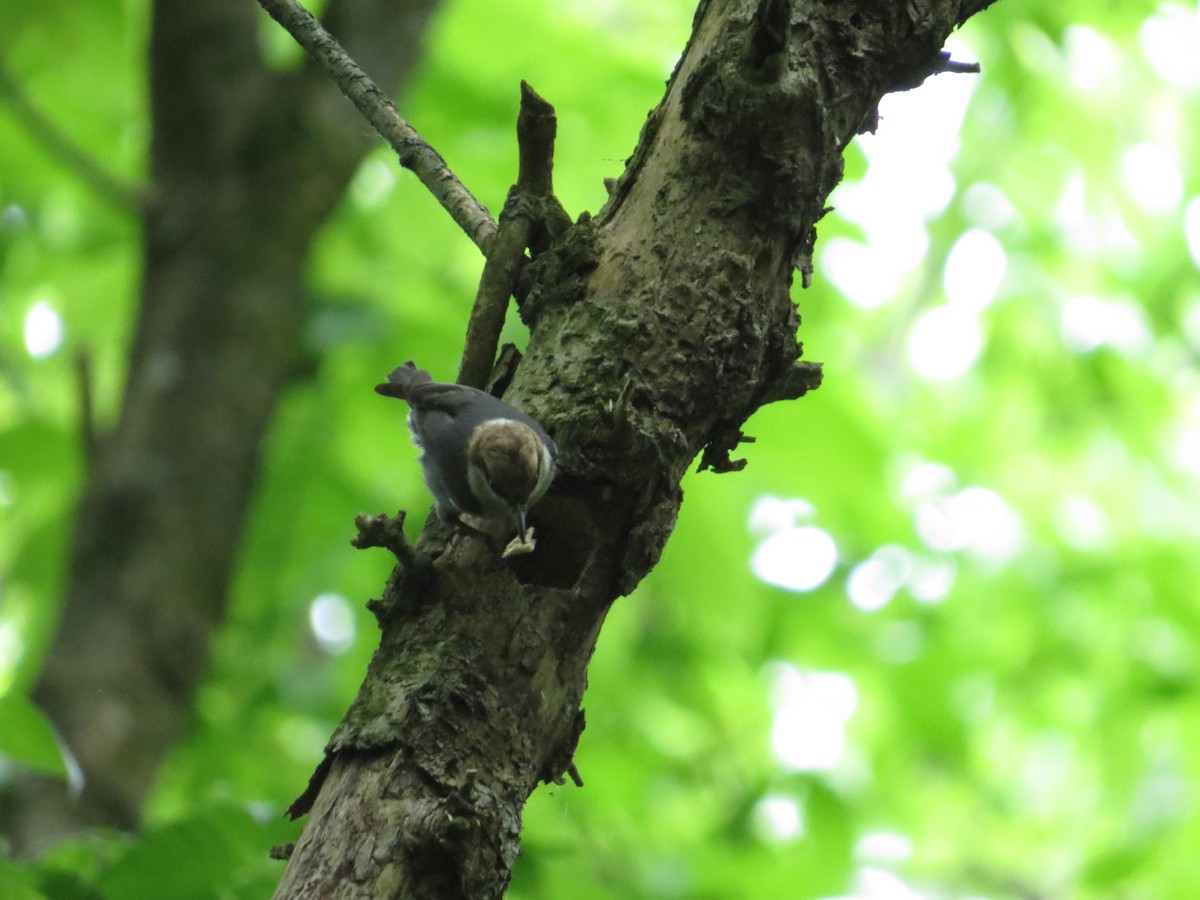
(332, 621)
(859, 273)
(973, 698)
(1091, 322)
(798, 559)
(13, 218)
(924, 487)
(1162, 795)
(1094, 226)
(1169, 38)
(932, 578)
(919, 134)
(987, 206)
(883, 847)
(1186, 451)
(792, 556)
(900, 643)
(300, 737)
(1191, 319)
(1083, 524)
(674, 729)
(43, 330)
(374, 181)
(1164, 649)
(974, 269)
(1045, 771)
(778, 818)
(875, 580)
(924, 479)
(665, 877)
(770, 514)
(1191, 229)
(944, 343)
(975, 519)
(1070, 212)
(873, 883)
(908, 181)
(878, 854)
(811, 709)
(1093, 62)
(1152, 177)
(12, 648)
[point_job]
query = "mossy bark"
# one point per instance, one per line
(657, 328)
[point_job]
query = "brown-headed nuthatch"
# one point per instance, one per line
(481, 457)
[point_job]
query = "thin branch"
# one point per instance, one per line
(803, 377)
(946, 64)
(384, 531)
(58, 144)
(537, 127)
(524, 209)
(87, 408)
(414, 152)
(500, 272)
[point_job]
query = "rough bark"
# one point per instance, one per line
(245, 165)
(657, 328)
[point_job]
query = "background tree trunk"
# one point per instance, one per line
(245, 165)
(657, 329)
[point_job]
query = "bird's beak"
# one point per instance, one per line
(521, 524)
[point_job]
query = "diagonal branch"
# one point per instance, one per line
(61, 146)
(414, 152)
(945, 64)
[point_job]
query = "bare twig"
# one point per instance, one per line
(61, 146)
(525, 207)
(537, 127)
(803, 377)
(491, 299)
(414, 152)
(87, 414)
(383, 531)
(946, 64)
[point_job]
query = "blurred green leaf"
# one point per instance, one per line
(18, 883)
(220, 852)
(27, 737)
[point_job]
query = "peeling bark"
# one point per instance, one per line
(657, 328)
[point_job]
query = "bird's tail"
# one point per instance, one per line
(401, 378)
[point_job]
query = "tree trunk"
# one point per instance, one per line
(656, 329)
(245, 165)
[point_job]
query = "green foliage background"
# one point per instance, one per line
(1027, 728)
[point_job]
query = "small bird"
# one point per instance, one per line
(482, 458)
